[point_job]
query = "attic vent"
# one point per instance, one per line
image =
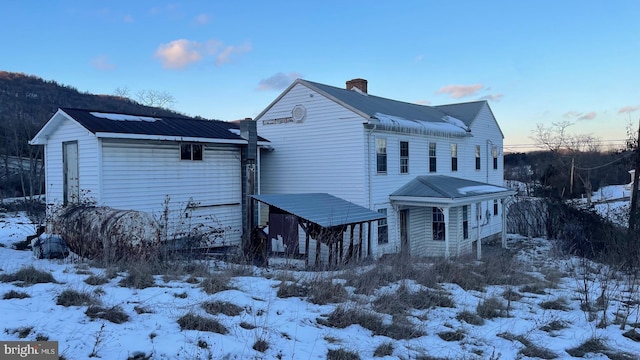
(299, 113)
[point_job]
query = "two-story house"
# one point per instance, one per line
(435, 172)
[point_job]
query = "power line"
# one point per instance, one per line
(624, 156)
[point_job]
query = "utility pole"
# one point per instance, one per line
(633, 207)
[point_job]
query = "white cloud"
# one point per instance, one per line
(102, 63)
(628, 109)
(179, 53)
(225, 56)
(571, 114)
(460, 91)
(202, 19)
(588, 116)
(278, 81)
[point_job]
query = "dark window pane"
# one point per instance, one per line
(197, 151)
(185, 151)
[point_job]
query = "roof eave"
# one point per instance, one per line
(42, 137)
(449, 202)
(108, 135)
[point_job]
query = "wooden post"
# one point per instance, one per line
(306, 249)
(318, 249)
(361, 239)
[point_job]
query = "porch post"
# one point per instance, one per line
(504, 224)
(445, 212)
(478, 241)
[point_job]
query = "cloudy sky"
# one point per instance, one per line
(535, 62)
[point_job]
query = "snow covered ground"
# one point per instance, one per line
(544, 320)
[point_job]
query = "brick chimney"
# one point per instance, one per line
(358, 83)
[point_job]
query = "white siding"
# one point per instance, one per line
(87, 162)
(321, 154)
(142, 175)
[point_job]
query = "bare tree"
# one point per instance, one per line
(155, 98)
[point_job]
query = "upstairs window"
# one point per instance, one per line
(381, 156)
(404, 157)
(438, 224)
(432, 157)
(454, 157)
(383, 228)
(190, 151)
(477, 157)
(495, 207)
(494, 153)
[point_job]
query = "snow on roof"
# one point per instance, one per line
(449, 125)
(480, 189)
(235, 131)
(123, 117)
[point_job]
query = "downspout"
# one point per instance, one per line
(369, 175)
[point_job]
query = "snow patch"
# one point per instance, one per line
(123, 117)
(480, 189)
(447, 127)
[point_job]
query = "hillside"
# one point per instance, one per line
(26, 103)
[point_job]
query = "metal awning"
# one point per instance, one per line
(320, 208)
(447, 190)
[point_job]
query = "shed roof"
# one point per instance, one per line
(320, 208)
(433, 187)
(106, 122)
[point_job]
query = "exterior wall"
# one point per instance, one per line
(323, 153)
(142, 175)
(88, 155)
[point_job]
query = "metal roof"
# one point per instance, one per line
(320, 208)
(109, 122)
(372, 105)
(447, 187)
(466, 112)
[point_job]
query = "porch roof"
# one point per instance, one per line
(447, 190)
(320, 208)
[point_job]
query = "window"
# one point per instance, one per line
(383, 228)
(495, 207)
(432, 157)
(404, 157)
(477, 157)
(494, 153)
(438, 224)
(454, 157)
(465, 222)
(381, 155)
(190, 151)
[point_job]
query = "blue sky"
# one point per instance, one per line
(535, 62)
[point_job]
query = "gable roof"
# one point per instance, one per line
(320, 208)
(447, 189)
(135, 126)
(448, 120)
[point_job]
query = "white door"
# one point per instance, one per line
(70, 168)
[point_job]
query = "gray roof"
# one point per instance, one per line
(372, 105)
(447, 187)
(466, 112)
(320, 208)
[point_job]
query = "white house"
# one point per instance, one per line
(436, 172)
(190, 167)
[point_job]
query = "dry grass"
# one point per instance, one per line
(221, 307)
(400, 328)
(342, 354)
(216, 283)
(592, 345)
(403, 300)
(556, 304)
(191, 321)
(555, 325)
(138, 278)
(491, 308)
(470, 318)
(245, 325)
(70, 297)
(457, 335)
(28, 276)
(96, 280)
(12, 294)
(22, 332)
(114, 314)
(384, 349)
(261, 345)
(325, 291)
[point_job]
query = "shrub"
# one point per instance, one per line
(592, 345)
(554, 325)
(470, 318)
(71, 297)
(490, 308)
(28, 276)
(138, 278)
(557, 304)
(511, 295)
(12, 294)
(384, 349)
(261, 345)
(216, 283)
(196, 322)
(342, 354)
(114, 314)
(632, 334)
(457, 335)
(96, 280)
(221, 307)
